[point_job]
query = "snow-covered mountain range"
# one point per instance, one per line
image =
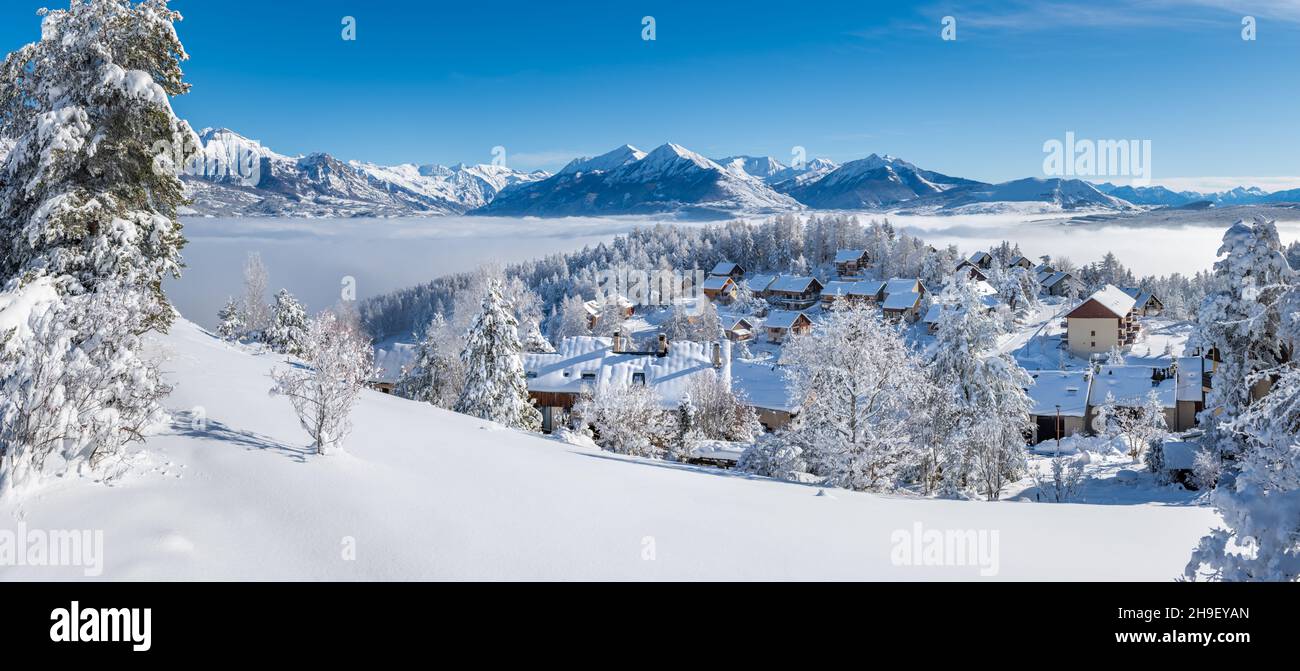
(626, 180)
(236, 176)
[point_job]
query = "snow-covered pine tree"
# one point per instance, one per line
(861, 386)
(574, 319)
(436, 375)
(1260, 502)
(289, 325)
(339, 362)
(678, 326)
(230, 323)
(986, 389)
(534, 341)
(1115, 357)
(86, 194)
(1241, 319)
(495, 387)
(88, 224)
(685, 436)
(1261, 507)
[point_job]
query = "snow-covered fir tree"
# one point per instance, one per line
(495, 388)
(686, 436)
(534, 342)
(339, 362)
(985, 393)
(574, 319)
(861, 386)
(230, 322)
(1241, 321)
(436, 375)
(88, 230)
(289, 325)
(1258, 492)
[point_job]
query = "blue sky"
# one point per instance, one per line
(447, 81)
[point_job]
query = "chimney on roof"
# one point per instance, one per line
(618, 342)
(662, 349)
(717, 355)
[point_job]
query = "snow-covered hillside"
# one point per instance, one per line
(424, 493)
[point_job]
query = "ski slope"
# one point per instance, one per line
(422, 493)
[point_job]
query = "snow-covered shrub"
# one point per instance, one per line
(627, 420)
(495, 386)
(776, 455)
(289, 324)
(722, 413)
(75, 389)
(338, 362)
(1064, 479)
(1154, 459)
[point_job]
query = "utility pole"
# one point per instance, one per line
(1058, 427)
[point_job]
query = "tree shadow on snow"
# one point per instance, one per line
(186, 424)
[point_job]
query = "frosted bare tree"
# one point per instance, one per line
(338, 362)
(257, 312)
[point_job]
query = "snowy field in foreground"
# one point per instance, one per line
(426, 493)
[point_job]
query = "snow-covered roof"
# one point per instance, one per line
(1044, 268)
(668, 375)
(716, 282)
(593, 306)
(739, 323)
(1052, 279)
(901, 300)
(903, 284)
(1068, 389)
(1114, 299)
(867, 288)
(978, 257)
(1129, 385)
(782, 319)
(838, 287)
(793, 284)
(1140, 297)
(937, 310)
(1016, 261)
(759, 282)
(763, 385)
(390, 358)
(848, 255)
(724, 268)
